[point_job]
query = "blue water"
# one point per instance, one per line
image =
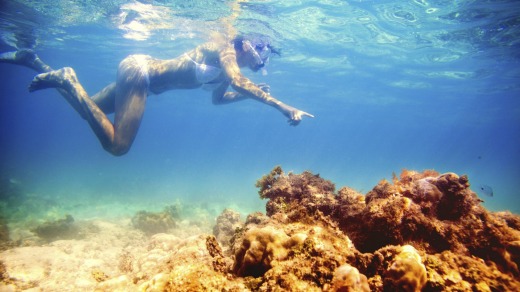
(393, 85)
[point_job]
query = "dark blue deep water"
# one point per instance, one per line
(423, 84)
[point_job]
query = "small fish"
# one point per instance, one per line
(485, 190)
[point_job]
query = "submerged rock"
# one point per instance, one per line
(57, 229)
(227, 223)
(155, 222)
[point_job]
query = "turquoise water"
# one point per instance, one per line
(393, 85)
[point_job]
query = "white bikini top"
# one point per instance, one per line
(205, 74)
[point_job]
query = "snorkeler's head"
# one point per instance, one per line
(257, 47)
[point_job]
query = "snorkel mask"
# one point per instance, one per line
(259, 46)
(260, 53)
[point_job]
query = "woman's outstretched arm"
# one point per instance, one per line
(245, 88)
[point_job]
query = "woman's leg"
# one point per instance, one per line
(27, 58)
(105, 99)
(130, 92)
(130, 99)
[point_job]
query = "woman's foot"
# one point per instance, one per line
(62, 78)
(21, 57)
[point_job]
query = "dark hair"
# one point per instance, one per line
(257, 41)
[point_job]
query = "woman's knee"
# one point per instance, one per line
(118, 150)
(134, 69)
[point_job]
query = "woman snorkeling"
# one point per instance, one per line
(214, 66)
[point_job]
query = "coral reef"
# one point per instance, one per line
(423, 231)
(292, 256)
(434, 213)
(408, 235)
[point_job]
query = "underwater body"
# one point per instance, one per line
(403, 92)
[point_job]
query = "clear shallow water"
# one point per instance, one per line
(393, 85)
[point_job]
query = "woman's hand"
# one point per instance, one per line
(265, 87)
(295, 115)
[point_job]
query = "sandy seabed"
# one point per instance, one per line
(107, 256)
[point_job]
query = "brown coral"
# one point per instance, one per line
(406, 273)
(215, 251)
(261, 246)
(348, 279)
(438, 214)
(443, 214)
(293, 256)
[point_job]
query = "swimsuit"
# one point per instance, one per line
(206, 74)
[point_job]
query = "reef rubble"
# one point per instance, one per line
(422, 231)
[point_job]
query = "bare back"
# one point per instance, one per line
(179, 73)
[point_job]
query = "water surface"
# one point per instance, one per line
(393, 84)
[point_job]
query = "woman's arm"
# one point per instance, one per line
(222, 96)
(246, 88)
